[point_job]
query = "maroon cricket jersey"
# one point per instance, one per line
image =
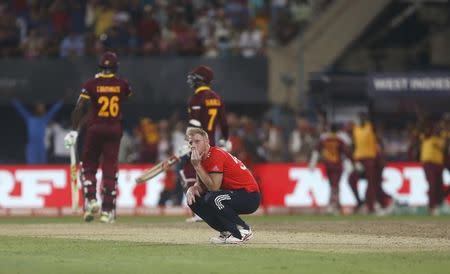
(331, 148)
(106, 93)
(206, 107)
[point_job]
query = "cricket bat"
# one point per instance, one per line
(159, 168)
(73, 179)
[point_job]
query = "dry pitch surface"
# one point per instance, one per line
(375, 235)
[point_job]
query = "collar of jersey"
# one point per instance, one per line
(104, 75)
(201, 88)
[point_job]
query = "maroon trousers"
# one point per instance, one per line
(334, 173)
(102, 140)
(433, 174)
(382, 197)
(373, 171)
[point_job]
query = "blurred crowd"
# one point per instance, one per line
(210, 28)
(279, 135)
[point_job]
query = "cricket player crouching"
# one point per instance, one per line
(224, 189)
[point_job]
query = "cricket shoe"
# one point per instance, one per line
(221, 238)
(92, 207)
(434, 212)
(332, 210)
(107, 217)
(246, 235)
(389, 209)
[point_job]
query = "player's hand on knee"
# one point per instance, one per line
(70, 139)
(191, 194)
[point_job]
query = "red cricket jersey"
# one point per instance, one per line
(235, 173)
(208, 108)
(106, 93)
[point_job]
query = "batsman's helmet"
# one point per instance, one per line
(109, 61)
(200, 75)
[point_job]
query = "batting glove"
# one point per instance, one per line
(70, 139)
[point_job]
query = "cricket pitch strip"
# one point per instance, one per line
(340, 236)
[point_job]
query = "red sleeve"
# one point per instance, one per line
(214, 163)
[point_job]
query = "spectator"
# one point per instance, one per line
(77, 16)
(9, 38)
(72, 45)
(202, 24)
(34, 45)
(117, 38)
(223, 33)
(36, 125)
(186, 41)
(167, 45)
(104, 18)
(210, 44)
(164, 145)
(36, 16)
(59, 15)
(55, 134)
(302, 142)
(92, 8)
(251, 140)
(272, 141)
(131, 27)
(250, 41)
(148, 138)
(237, 12)
(149, 31)
(127, 149)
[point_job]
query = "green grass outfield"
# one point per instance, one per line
(48, 254)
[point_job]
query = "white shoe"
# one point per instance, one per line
(107, 217)
(221, 238)
(388, 210)
(434, 212)
(233, 240)
(332, 210)
(194, 219)
(92, 208)
(246, 234)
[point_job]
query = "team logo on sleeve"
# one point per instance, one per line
(215, 168)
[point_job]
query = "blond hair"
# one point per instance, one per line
(191, 131)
